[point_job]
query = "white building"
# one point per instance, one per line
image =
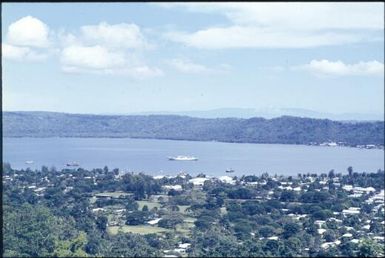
(319, 223)
(227, 180)
(175, 187)
(351, 210)
(329, 244)
(154, 221)
(348, 235)
(321, 231)
(184, 245)
(198, 181)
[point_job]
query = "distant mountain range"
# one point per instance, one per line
(269, 113)
(285, 129)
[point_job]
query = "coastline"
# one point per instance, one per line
(324, 144)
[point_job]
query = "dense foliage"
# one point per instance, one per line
(287, 130)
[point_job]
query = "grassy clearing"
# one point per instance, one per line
(186, 226)
(140, 229)
(183, 229)
(156, 196)
(189, 220)
(112, 194)
(92, 199)
(182, 208)
(149, 204)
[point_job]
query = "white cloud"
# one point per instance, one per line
(96, 49)
(21, 53)
(27, 39)
(187, 66)
(95, 57)
(248, 37)
(121, 35)
(28, 31)
(101, 60)
(313, 16)
(106, 49)
(12, 52)
(137, 72)
(66, 39)
(338, 68)
(280, 25)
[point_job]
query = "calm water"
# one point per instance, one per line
(150, 156)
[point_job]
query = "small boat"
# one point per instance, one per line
(183, 158)
(29, 162)
(72, 164)
(230, 170)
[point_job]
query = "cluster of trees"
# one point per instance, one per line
(31, 230)
(34, 230)
(286, 129)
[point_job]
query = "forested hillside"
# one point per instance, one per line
(286, 129)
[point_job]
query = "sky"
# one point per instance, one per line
(136, 57)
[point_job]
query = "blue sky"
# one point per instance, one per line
(133, 57)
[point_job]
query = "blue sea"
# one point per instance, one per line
(214, 158)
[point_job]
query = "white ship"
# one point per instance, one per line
(183, 158)
(29, 162)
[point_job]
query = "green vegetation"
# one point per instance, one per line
(64, 214)
(149, 204)
(183, 208)
(286, 129)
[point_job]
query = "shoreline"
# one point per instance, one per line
(192, 175)
(324, 144)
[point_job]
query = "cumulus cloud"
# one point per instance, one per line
(189, 67)
(106, 49)
(101, 60)
(27, 39)
(121, 35)
(110, 49)
(28, 31)
(283, 25)
(339, 68)
(95, 57)
(21, 53)
(99, 49)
